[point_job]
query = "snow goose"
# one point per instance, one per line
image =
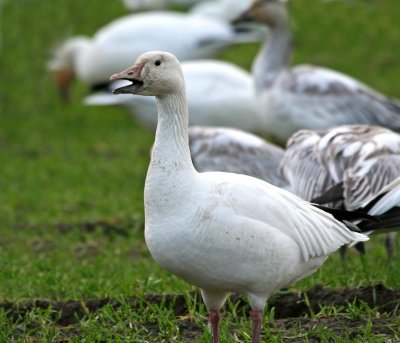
(222, 232)
(308, 97)
(347, 166)
(218, 93)
(114, 45)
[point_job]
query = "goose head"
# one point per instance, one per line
(270, 12)
(154, 73)
(63, 65)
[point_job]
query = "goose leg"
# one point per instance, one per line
(256, 318)
(342, 251)
(213, 316)
(390, 244)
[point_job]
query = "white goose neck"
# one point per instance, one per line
(273, 57)
(171, 146)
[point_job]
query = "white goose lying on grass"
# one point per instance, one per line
(218, 94)
(219, 231)
(92, 60)
(346, 167)
(306, 96)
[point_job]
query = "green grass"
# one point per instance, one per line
(63, 167)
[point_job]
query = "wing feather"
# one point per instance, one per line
(235, 151)
(339, 98)
(256, 200)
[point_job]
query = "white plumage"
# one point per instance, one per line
(218, 94)
(222, 232)
(221, 9)
(117, 44)
(308, 97)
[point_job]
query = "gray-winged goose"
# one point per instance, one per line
(347, 166)
(306, 96)
(222, 232)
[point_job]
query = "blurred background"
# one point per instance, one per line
(71, 162)
(71, 176)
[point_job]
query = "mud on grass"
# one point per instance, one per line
(293, 316)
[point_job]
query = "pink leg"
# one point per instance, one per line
(214, 319)
(256, 317)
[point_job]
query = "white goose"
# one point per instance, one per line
(347, 166)
(219, 231)
(308, 97)
(218, 93)
(92, 60)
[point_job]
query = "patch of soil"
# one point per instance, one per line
(288, 305)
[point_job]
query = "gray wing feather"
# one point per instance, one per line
(234, 151)
(341, 98)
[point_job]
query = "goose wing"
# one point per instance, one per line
(333, 98)
(302, 167)
(316, 232)
(235, 151)
(348, 164)
(362, 158)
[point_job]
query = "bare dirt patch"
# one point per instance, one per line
(292, 310)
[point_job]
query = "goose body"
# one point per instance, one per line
(221, 9)
(235, 151)
(218, 94)
(115, 45)
(306, 96)
(140, 5)
(347, 166)
(363, 159)
(219, 231)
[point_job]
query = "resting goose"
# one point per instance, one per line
(218, 93)
(347, 166)
(235, 151)
(306, 96)
(92, 60)
(222, 232)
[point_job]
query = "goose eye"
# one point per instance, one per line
(157, 63)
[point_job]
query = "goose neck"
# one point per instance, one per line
(171, 146)
(273, 58)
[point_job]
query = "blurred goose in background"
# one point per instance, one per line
(308, 97)
(144, 5)
(141, 5)
(219, 94)
(221, 9)
(117, 44)
(345, 167)
(235, 151)
(222, 232)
